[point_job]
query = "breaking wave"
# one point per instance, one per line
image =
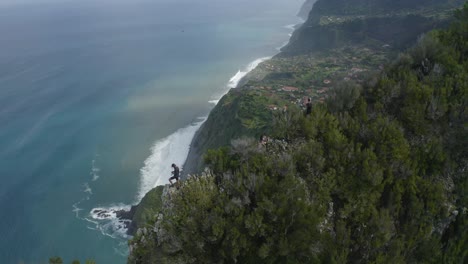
(172, 149)
(234, 81)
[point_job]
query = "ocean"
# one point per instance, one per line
(98, 98)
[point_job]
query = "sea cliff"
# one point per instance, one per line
(246, 112)
(333, 70)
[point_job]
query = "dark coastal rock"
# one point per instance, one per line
(126, 218)
(126, 215)
(139, 214)
(102, 214)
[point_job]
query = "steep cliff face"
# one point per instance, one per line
(149, 206)
(376, 7)
(337, 23)
(306, 8)
(232, 118)
(141, 214)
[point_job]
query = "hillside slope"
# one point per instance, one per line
(337, 23)
(243, 111)
(378, 173)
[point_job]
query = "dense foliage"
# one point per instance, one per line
(150, 205)
(58, 260)
(378, 174)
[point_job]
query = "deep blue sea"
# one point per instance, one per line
(98, 98)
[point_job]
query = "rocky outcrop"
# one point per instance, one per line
(140, 214)
(145, 247)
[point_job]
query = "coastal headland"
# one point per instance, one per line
(330, 58)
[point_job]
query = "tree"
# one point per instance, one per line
(55, 260)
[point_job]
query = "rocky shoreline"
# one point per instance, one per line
(138, 214)
(127, 218)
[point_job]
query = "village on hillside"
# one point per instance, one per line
(292, 80)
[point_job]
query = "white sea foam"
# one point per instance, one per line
(172, 149)
(94, 170)
(234, 81)
(215, 102)
(87, 189)
(105, 220)
(109, 212)
(291, 26)
(282, 45)
(76, 209)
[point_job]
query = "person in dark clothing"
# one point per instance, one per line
(309, 107)
(175, 174)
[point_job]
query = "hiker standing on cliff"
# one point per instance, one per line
(175, 173)
(308, 107)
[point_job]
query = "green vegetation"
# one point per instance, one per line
(378, 173)
(248, 110)
(55, 260)
(314, 74)
(149, 206)
(58, 260)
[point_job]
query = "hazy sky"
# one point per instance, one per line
(4, 3)
(36, 2)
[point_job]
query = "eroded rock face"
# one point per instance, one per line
(128, 215)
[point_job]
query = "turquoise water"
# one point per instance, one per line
(97, 97)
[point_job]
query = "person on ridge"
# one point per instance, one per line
(309, 107)
(175, 174)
